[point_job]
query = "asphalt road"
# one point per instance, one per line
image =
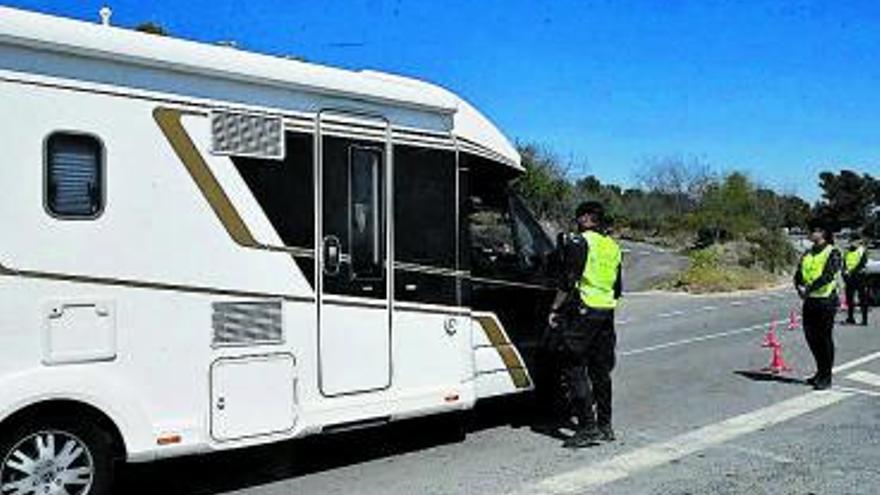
(691, 419)
(644, 264)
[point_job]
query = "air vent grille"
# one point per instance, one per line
(244, 134)
(247, 323)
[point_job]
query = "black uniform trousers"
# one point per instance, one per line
(856, 285)
(587, 360)
(818, 320)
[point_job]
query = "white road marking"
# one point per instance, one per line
(865, 377)
(857, 362)
(764, 454)
(737, 303)
(859, 391)
(670, 314)
(703, 338)
(709, 308)
(658, 454)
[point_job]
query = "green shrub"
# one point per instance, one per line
(772, 251)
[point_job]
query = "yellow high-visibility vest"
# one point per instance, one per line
(853, 258)
(596, 285)
(812, 267)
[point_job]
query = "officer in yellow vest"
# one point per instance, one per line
(854, 262)
(583, 312)
(816, 283)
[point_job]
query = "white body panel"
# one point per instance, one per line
(354, 338)
(117, 312)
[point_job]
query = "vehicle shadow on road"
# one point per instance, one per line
(247, 468)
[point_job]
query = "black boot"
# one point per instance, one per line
(585, 437)
(822, 383)
(606, 433)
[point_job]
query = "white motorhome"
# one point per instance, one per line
(207, 249)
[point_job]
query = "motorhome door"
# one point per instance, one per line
(354, 310)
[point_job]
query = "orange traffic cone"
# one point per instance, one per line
(770, 339)
(793, 321)
(777, 362)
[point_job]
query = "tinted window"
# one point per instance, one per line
(365, 212)
(285, 190)
(504, 239)
(532, 243)
(424, 206)
(493, 249)
(74, 176)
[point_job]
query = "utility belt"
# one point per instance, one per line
(575, 316)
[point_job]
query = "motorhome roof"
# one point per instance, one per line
(57, 34)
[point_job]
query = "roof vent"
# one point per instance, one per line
(105, 13)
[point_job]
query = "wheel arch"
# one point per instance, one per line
(107, 397)
(64, 408)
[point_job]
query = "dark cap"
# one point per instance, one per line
(826, 229)
(594, 208)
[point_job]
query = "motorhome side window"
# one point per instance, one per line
(505, 238)
(533, 244)
(365, 203)
(74, 184)
(493, 249)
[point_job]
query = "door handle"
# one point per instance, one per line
(332, 251)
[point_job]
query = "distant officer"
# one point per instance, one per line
(588, 293)
(816, 283)
(854, 262)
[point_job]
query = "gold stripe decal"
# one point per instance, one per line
(169, 121)
(498, 338)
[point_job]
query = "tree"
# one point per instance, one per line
(545, 185)
(847, 199)
(795, 211)
(729, 209)
(678, 176)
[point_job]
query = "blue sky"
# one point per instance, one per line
(781, 89)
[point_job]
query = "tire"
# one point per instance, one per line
(77, 458)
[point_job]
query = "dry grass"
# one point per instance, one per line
(712, 271)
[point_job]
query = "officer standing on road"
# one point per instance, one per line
(583, 312)
(855, 260)
(816, 283)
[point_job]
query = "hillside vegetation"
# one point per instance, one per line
(733, 229)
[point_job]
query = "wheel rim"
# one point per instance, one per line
(47, 463)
